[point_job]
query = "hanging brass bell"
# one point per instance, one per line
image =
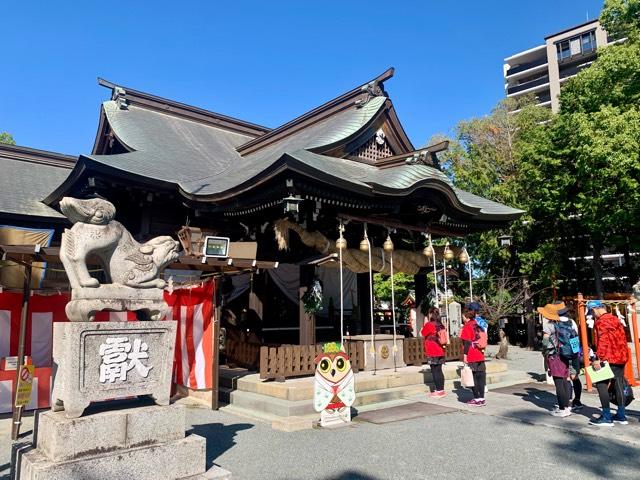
(429, 251)
(364, 245)
(388, 245)
(341, 243)
(448, 253)
(464, 256)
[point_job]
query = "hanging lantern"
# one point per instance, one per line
(448, 253)
(388, 245)
(464, 256)
(341, 243)
(364, 245)
(292, 204)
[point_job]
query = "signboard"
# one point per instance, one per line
(9, 363)
(25, 382)
(216, 247)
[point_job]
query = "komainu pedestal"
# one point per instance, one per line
(141, 443)
(97, 361)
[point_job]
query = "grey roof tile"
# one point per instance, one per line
(24, 184)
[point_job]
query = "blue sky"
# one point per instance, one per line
(264, 62)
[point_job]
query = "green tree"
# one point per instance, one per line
(402, 285)
(621, 18)
(486, 158)
(7, 138)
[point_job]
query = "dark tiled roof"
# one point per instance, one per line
(207, 162)
(27, 176)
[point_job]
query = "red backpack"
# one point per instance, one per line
(443, 336)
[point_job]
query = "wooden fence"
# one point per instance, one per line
(287, 361)
(242, 354)
(414, 350)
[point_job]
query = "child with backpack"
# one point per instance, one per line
(435, 338)
(475, 341)
(575, 363)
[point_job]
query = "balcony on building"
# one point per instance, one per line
(526, 63)
(538, 83)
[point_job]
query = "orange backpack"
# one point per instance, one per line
(443, 336)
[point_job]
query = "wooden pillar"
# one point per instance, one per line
(215, 360)
(584, 337)
(421, 292)
(363, 325)
(26, 295)
(307, 322)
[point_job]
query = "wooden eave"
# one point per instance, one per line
(27, 254)
(171, 107)
(397, 160)
(312, 117)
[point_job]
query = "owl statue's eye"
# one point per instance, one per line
(325, 365)
(341, 364)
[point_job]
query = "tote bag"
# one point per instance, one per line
(466, 377)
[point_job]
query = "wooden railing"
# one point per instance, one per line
(414, 350)
(287, 361)
(242, 354)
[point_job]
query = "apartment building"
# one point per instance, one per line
(543, 69)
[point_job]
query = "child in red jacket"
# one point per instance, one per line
(434, 350)
(474, 357)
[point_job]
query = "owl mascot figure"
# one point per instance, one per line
(334, 391)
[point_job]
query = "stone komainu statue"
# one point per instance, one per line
(132, 268)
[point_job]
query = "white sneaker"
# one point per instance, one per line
(561, 413)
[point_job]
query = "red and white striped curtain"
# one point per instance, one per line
(192, 308)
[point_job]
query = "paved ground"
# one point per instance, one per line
(512, 437)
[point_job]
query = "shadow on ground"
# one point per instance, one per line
(603, 457)
(352, 475)
(220, 437)
(463, 394)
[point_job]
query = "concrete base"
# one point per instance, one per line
(142, 443)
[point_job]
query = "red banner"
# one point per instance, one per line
(192, 308)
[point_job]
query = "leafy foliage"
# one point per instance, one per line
(402, 283)
(621, 18)
(7, 138)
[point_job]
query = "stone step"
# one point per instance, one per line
(228, 377)
(265, 404)
(302, 388)
(224, 394)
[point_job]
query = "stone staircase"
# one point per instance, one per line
(228, 381)
(273, 401)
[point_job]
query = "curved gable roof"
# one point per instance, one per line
(212, 163)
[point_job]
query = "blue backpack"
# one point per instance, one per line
(568, 341)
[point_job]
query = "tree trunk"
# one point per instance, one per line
(596, 263)
(503, 346)
(529, 318)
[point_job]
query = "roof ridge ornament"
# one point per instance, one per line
(118, 96)
(374, 88)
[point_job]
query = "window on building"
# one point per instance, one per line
(564, 49)
(588, 42)
(580, 44)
